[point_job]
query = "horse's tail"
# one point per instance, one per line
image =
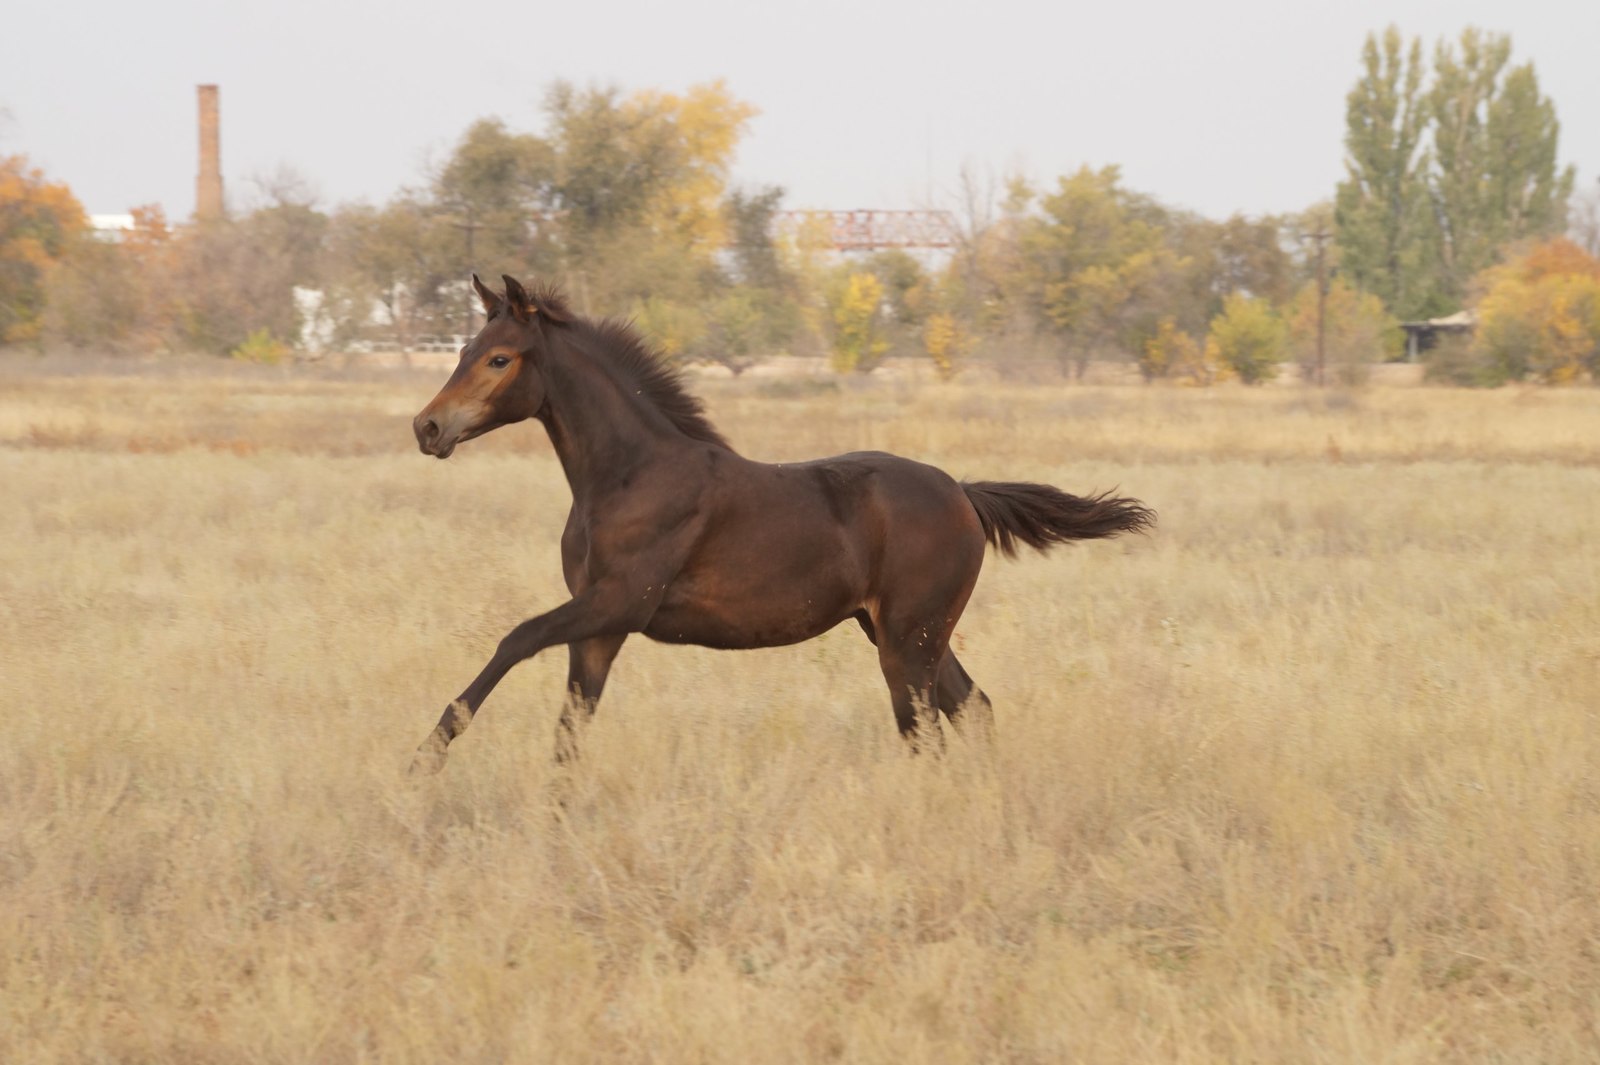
(1041, 516)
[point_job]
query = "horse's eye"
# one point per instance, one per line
(500, 362)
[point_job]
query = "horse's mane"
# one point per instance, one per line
(631, 355)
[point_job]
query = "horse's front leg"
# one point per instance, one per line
(588, 666)
(611, 609)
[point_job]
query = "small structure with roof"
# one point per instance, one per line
(1422, 336)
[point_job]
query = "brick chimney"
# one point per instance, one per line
(208, 186)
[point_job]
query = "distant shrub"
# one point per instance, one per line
(947, 343)
(1456, 360)
(1172, 353)
(1249, 338)
(261, 347)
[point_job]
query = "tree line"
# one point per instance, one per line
(1452, 198)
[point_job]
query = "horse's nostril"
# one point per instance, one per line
(428, 432)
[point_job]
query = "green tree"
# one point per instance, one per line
(1464, 83)
(905, 286)
(1527, 190)
(1239, 254)
(1385, 231)
(754, 253)
(743, 323)
(493, 190)
(1495, 178)
(1249, 338)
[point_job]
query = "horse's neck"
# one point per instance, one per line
(599, 431)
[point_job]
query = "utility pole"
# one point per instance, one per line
(1320, 238)
(470, 227)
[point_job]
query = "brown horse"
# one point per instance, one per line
(675, 535)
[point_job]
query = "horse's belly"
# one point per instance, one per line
(748, 623)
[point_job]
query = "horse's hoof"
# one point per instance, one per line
(427, 762)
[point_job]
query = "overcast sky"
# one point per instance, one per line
(1229, 106)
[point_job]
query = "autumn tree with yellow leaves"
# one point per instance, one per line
(855, 303)
(1356, 331)
(39, 220)
(1176, 355)
(1540, 315)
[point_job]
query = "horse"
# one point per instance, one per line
(676, 536)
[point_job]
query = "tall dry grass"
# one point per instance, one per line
(1310, 775)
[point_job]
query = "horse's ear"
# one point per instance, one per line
(491, 300)
(517, 297)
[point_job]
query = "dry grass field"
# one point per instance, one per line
(1310, 775)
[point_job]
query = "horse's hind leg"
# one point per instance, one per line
(963, 702)
(915, 710)
(910, 663)
(588, 665)
(911, 677)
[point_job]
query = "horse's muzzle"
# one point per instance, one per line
(431, 438)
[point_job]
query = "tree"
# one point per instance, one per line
(946, 343)
(991, 278)
(905, 286)
(1495, 178)
(1173, 353)
(744, 323)
(492, 190)
(1357, 331)
(39, 220)
(1236, 255)
(1464, 84)
(1093, 244)
(751, 246)
(1584, 219)
(855, 304)
(760, 312)
(676, 329)
(703, 127)
(1526, 189)
(638, 187)
(400, 263)
(1540, 315)
(117, 295)
(1249, 338)
(1381, 209)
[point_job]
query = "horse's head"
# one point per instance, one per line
(498, 380)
